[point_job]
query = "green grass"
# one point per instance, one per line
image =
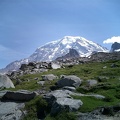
(91, 103)
(62, 116)
(84, 71)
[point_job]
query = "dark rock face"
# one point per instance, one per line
(22, 95)
(115, 46)
(72, 54)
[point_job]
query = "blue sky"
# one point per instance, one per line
(28, 24)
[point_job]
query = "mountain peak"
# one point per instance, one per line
(58, 48)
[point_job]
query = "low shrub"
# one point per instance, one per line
(35, 108)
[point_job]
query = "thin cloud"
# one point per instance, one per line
(9, 54)
(112, 40)
(2, 48)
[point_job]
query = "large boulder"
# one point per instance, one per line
(49, 77)
(65, 104)
(11, 111)
(59, 94)
(21, 95)
(6, 82)
(59, 100)
(70, 80)
(52, 96)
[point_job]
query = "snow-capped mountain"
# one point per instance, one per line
(58, 48)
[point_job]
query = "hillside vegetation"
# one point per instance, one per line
(106, 73)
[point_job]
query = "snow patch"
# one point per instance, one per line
(118, 50)
(68, 46)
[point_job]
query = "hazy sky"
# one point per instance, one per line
(28, 24)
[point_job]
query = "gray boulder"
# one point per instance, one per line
(49, 77)
(6, 82)
(52, 96)
(65, 104)
(11, 111)
(59, 100)
(91, 83)
(70, 80)
(59, 94)
(21, 95)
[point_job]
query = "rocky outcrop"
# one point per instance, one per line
(67, 104)
(21, 95)
(60, 100)
(101, 56)
(70, 80)
(72, 54)
(115, 47)
(6, 82)
(33, 68)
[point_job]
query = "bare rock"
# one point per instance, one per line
(49, 77)
(11, 111)
(65, 104)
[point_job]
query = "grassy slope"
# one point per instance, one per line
(87, 71)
